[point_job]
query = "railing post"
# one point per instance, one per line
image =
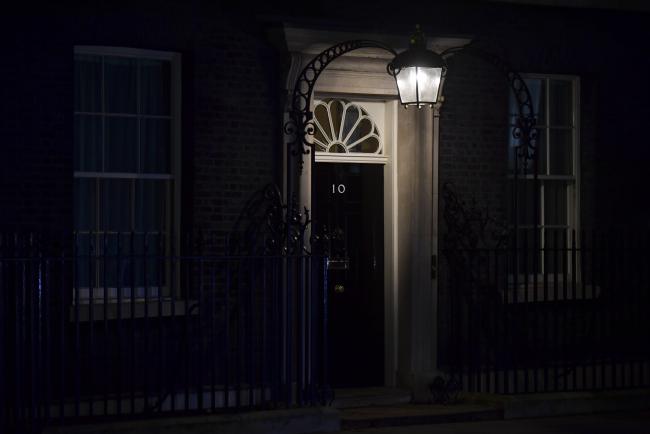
(325, 325)
(118, 316)
(77, 344)
(106, 351)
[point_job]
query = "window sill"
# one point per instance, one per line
(131, 309)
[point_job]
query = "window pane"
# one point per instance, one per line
(525, 201)
(151, 205)
(155, 84)
(336, 114)
(352, 115)
(369, 145)
(561, 103)
(155, 264)
(324, 133)
(528, 256)
(88, 143)
(555, 203)
(85, 204)
(110, 263)
(537, 89)
(555, 254)
(541, 153)
(345, 127)
(120, 80)
(363, 129)
(155, 145)
(128, 276)
(116, 205)
(121, 148)
(87, 77)
(83, 263)
(146, 263)
(561, 152)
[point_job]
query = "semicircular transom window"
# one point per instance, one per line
(343, 127)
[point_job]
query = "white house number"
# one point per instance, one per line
(340, 188)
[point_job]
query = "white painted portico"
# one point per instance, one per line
(410, 195)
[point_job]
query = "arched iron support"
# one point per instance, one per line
(526, 134)
(300, 123)
(300, 126)
(525, 130)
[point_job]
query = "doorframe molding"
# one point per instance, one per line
(390, 211)
(361, 75)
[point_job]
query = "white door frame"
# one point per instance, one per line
(390, 216)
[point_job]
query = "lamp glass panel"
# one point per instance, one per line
(428, 83)
(406, 84)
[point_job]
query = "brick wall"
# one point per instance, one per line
(36, 152)
(473, 134)
(230, 118)
(231, 109)
(237, 123)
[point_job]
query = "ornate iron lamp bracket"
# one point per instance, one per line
(525, 131)
(300, 124)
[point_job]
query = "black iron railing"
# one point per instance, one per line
(109, 326)
(565, 311)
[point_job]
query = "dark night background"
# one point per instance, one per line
(235, 60)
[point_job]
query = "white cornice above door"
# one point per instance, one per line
(362, 71)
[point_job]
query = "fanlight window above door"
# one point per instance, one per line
(343, 127)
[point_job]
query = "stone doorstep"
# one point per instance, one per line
(294, 421)
(370, 396)
(474, 407)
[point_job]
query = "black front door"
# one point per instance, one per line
(349, 208)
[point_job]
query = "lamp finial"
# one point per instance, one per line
(417, 38)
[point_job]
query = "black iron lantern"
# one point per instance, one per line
(418, 73)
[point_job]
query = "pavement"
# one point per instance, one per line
(385, 410)
(637, 422)
(489, 407)
(414, 414)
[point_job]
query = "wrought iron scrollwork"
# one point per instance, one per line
(263, 225)
(300, 124)
(469, 227)
(329, 242)
(444, 390)
(524, 131)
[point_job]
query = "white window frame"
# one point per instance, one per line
(175, 164)
(573, 191)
